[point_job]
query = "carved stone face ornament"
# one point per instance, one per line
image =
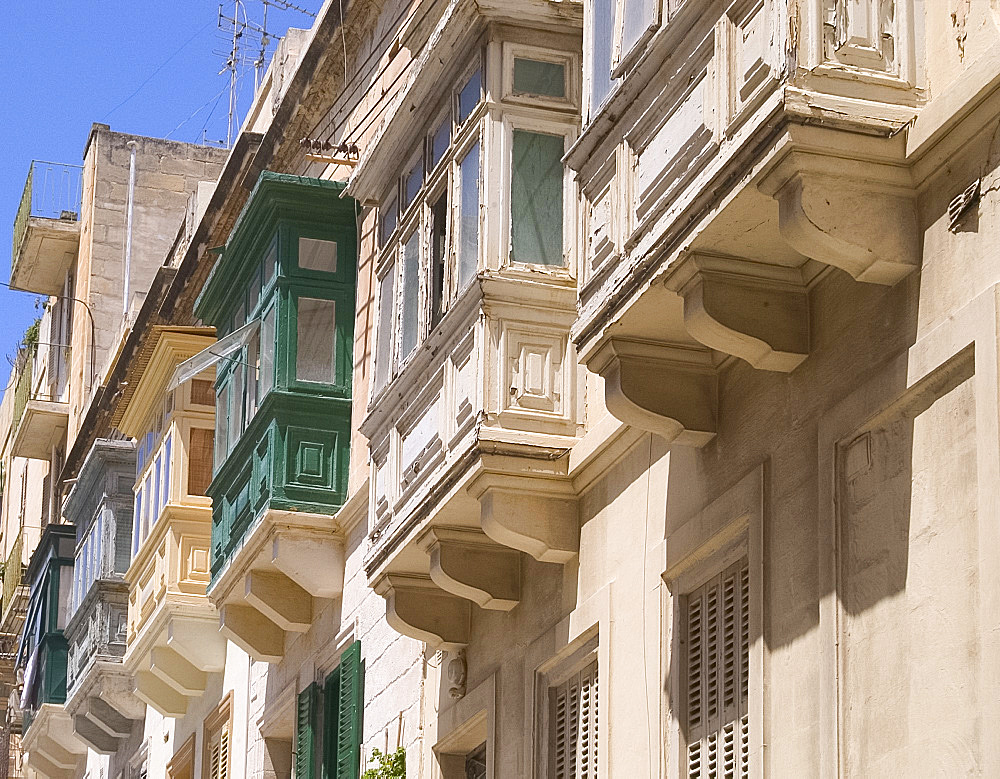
(456, 672)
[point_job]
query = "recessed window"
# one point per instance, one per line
(535, 77)
(468, 216)
(315, 254)
(469, 95)
(316, 331)
(536, 196)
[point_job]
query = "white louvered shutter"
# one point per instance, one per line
(717, 679)
(574, 705)
(219, 755)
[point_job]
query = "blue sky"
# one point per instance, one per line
(149, 67)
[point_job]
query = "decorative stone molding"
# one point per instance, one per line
(754, 311)
(667, 389)
(415, 606)
(467, 563)
(857, 218)
(457, 671)
(522, 516)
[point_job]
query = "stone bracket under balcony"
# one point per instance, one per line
(664, 388)
(467, 563)
(104, 707)
(537, 517)
(173, 657)
(417, 607)
(751, 310)
(51, 746)
(271, 587)
(857, 215)
(41, 428)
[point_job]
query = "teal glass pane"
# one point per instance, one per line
(410, 323)
(536, 196)
(533, 77)
(468, 217)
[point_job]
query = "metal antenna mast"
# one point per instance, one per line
(245, 36)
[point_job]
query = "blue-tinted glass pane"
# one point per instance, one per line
(383, 339)
(468, 97)
(165, 492)
(388, 215)
(137, 523)
(468, 217)
(534, 77)
(536, 196)
(439, 142)
(411, 184)
(602, 31)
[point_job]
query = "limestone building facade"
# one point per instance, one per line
(601, 389)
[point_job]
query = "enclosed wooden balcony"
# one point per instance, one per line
(172, 632)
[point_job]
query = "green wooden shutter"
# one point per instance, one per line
(349, 711)
(305, 733)
(331, 722)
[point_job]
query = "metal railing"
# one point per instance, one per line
(13, 572)
(53, 190)
(22, 389)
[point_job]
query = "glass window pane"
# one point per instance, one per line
(439, 253)
(602, 31)
(270, 262)
(165, 493)
(236, 402)
(468, 97)
(221, 429)
(383, 341)
(409, 316)
(533, 77)
(267, 352)
(316, 328)
(439, 141)
(388, 216)
(255, 286)
(468, 217)
(137, 523)
(638, 16)
(199, 460)
(315, 254)
(536, 196)
(156, 488)
(412, 182)
(253, 377)
(202, 392)
(147, 488)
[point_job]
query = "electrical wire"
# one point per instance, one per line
(160, 67)
(216, 98)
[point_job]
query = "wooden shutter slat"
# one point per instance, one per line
(305, 733)
(349, 713)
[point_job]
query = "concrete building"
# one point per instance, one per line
(667, 445)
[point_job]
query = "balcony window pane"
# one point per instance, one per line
(137, 523)
(148, 489)
(199, 460)
(165, 491)
(638, 16)
(410, 323)
(534, 77)
(256, 283)
(602, 31)
(412, 182)
(156, 489)
(439, 253)
(236, 401)
(252, 369)
(314, 358)
(468, 217)
(383, 341)
(315, 254)
(221, 425)
(202, 393)
(270, 262)
(536, 196)
(468, 97)
(267, 352)
(439, 142)
(388, 215)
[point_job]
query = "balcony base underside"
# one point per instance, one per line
(41, 428)
(47, 250)
(51, 745)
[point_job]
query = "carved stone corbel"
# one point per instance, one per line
(165, 699)
(416, 607)
(863, 224)
(546, 526)
(315, 563)
(280, 600)
(254, 633)
(754, 311)
(467, 563)
(663, 388)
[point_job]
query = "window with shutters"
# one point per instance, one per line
(329, 721)
(716, 627)
(573, 725)
(181, 765)
(217, 757)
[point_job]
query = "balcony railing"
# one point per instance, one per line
(53, 191)
(13, 572)
(22, 390)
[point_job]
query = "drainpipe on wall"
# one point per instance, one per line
(128, 227)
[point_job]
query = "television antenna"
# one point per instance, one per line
(248, 41)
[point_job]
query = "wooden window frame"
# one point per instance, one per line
(181, 764)
(220, 718)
